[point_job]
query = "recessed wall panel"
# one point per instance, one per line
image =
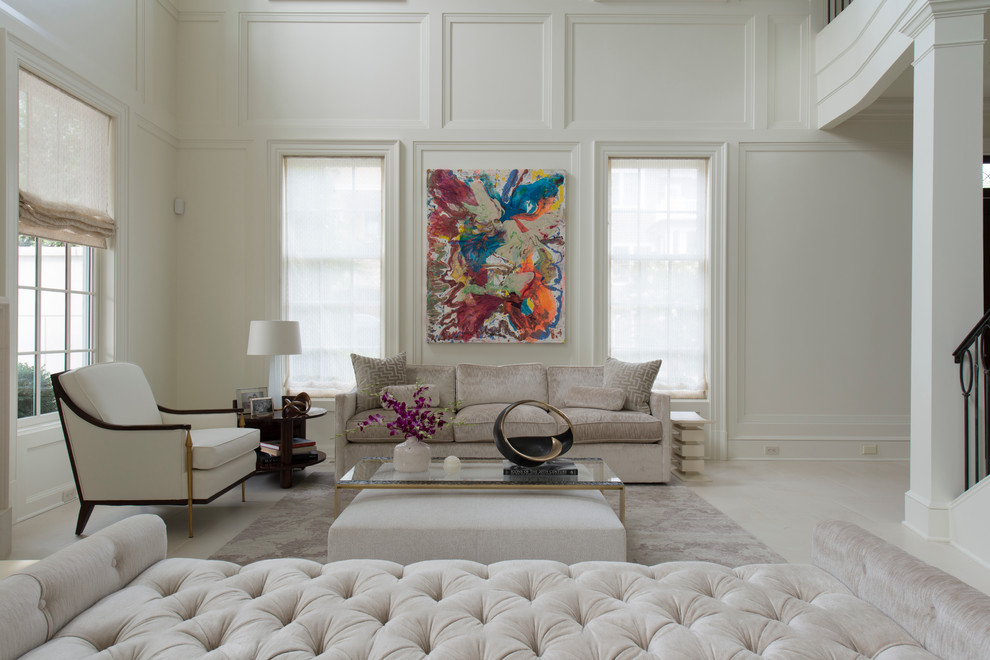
(325, 69)
(824, 304)
(788, 78)
(497, 70)
(655, 70)
(199, 55)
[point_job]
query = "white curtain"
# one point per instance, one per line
(63, 166)
(658, 246)
(332, 260)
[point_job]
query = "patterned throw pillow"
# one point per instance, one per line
(635, 379)
(372, 374)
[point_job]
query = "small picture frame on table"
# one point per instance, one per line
(244, 395)
(262, 405)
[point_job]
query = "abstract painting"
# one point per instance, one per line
(495, 256)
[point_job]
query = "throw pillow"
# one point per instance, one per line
(635, 379)
(372, 374)
(404, 393)
(602, 398)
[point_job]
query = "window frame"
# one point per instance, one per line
(388, 151)
(110, 303)
(713, 406)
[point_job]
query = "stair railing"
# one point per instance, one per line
(833, 8)
(974, 380)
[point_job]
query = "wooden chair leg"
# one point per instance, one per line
(242, 491)
(85, 509)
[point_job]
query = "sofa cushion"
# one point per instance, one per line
(440, 375)
(477, 383)
(380, 433)
(602, 398)
(407, 393)
(593, 425)
(561, 378)
(636, 378)
(214, 447)
(476, 423)
(372, 374)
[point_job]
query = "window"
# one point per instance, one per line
(64, 216)
(332, 261)
(658, 247)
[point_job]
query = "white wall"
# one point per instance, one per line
(130, 68)
(816, 225)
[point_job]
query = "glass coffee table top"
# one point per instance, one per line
(475, 472)
(479, 473)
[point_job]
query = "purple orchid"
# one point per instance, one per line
(418, 421)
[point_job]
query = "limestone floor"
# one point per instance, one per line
(779, 502)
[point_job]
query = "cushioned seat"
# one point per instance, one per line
(474, 423)
(592, 424)
(125, 449)
(380, 433)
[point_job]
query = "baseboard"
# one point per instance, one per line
(846, 449)
(928, 522)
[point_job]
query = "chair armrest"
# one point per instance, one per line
(201, 419)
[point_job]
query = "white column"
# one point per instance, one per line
(947, 259)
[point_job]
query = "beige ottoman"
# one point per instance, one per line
(485, 526)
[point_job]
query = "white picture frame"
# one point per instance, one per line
(244, 395)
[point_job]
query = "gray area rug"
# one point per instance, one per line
(663, 523)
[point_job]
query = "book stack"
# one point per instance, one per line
(301, 447)
(559, 469)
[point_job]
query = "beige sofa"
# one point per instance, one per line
(636, 445)
(115, 595)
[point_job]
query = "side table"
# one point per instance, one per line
(276, 427)
(689, 446)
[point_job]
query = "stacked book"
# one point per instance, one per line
(301, 447)
(558, 469)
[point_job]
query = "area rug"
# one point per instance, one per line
(663, 523)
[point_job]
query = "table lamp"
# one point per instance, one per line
(273, 338)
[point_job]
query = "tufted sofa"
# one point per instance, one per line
(635, 444)
(116, 595)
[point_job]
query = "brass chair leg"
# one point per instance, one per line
(189, 478)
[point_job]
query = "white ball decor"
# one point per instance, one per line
(451, 465)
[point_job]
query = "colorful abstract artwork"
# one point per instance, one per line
(495, 256)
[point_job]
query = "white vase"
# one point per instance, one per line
(413, 455)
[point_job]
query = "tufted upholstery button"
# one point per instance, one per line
(42, 604)
(113, 562)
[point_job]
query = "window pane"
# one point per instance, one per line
(25, 386)
(52, 265)
(52, 363)
(25, 320)
(52, 321)
(80, 267)
(26, 246)
(79, 321)
(80, 359)
(333, 266)
(658, 223)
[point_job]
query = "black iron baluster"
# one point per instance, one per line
(967, 389)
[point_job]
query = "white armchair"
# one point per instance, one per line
(126, 449)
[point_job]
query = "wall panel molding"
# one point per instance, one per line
(348, 91)
(544, 85)
(744, 422)
(742, 115)
(797, 80)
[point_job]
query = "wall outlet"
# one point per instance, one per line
(771, 450)
(869, 450)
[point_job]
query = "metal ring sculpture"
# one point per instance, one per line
(299, 405)
(532, 451)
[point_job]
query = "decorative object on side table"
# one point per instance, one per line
(416, 421)
(262, 406)
(243, 396)
(293, 406)
(532, 451)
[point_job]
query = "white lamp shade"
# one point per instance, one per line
(274, 338)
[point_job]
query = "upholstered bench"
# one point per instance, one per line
(485, 526)
(115, 595)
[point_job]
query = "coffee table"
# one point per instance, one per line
(478, 474)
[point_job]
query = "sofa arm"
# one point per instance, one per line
(946, 616)
(345, 406)
(36, 602)
(660, 408)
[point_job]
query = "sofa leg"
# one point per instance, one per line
(85, 509)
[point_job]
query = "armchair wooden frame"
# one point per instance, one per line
(86, 506)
